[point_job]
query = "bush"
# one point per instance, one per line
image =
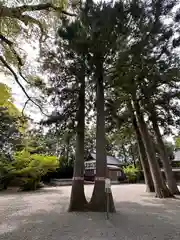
(6, 172)
(65, 169)
(31, 167)
(27, 168)
(132, 173)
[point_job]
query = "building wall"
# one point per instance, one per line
(90, 171)
(113, 175)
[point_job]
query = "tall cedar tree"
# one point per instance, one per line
(139, 61)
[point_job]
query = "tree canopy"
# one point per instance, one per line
(110, 75)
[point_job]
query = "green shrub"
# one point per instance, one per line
(175, 164)
(27, 169)
(6, 172)
(31, 167)
(132, 173)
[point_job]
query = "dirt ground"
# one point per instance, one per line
(43, 216)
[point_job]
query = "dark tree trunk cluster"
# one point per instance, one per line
(143, 157)
(98, 202)
(147, 147)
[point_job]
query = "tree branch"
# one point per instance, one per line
(4, 39)
(10, 44)
(43, 6)
(28, 19)
(27, 101)
(15, 12)
(18, 82)
(20, 62)
(18, 13)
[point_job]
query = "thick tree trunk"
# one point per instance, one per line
(143, 158)
(78, 201)
(164, 156)
(161, 189)
(98, 201)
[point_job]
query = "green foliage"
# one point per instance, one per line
(36, 81)
(6, 171)
(176, 164)
(65, 169)
(177, 142)
(28, 168)
(6, 101)
(44, 143)
(5, 94)
(31, 167)
(24, 22)
(63, 162)
(12, 124)
(132, 173)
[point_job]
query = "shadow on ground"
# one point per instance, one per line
(150, 219)
(15, 191)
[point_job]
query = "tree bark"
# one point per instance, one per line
(164, 156)
(17, 12)
(143, 157)
(98, 201)
(161, 189)
(78, 201)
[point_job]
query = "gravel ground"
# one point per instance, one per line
(42, 216)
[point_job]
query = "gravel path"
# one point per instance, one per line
(42, 216)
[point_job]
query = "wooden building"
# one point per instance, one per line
(114, 168)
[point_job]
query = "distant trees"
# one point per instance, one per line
(18, 160)
(12, 124)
